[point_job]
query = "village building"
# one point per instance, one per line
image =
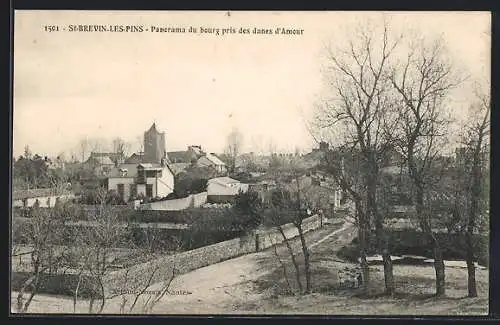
(212, 161)
(224, 189)
(189, 156)
(147, 175)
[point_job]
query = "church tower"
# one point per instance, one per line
(154, 145)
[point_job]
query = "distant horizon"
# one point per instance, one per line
(196, 88)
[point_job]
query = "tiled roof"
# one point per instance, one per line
(179, 157)
(214, 159)
(134, 159)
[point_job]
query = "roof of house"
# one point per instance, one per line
(214, 159)
(134, 159)
(179, 156)
(225, 186)
(150, 166)
(131, 169)
(196, 149)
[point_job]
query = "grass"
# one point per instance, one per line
(415, 288)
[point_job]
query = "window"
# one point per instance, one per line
(149, 190)
(133, 190)
(121, 190)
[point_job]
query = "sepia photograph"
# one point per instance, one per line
(250, 163)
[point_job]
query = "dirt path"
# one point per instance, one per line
(225, 287)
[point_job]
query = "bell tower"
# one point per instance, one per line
(154, 145)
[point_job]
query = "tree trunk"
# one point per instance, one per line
(471, 273)
(439, 267)
(475, 195)
(292, 256)
(307, 263)
(425, 224)
(388, 273)
(382, 240)
(363, 262)
(471, 269)
(383, 247)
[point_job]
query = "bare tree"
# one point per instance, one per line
(345, 166)
(233, 148)
(121, 148)
(476, 141)
(423, 81)
(362, 111)
(136, 293)
(278, 212)
(290, 203)
(41, 234)
(96, 246)
(98, 144)
(96, 242)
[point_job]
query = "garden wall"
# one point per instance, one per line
(265, 239)
(193, 200)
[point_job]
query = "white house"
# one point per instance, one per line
(149, 179)
(222, 189)
(211, 160)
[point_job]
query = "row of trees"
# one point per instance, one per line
(386, 92)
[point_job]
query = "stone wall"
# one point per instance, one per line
(268, 238)
(192, 201)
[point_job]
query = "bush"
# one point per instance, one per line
(248, 210)
(185, 186)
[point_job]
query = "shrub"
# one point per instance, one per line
(248, 210)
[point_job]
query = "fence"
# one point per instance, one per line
(192, 201)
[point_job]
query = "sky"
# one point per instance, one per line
(195, 87)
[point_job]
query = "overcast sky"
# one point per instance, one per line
(196, 88)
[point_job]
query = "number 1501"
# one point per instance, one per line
(51, 28)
